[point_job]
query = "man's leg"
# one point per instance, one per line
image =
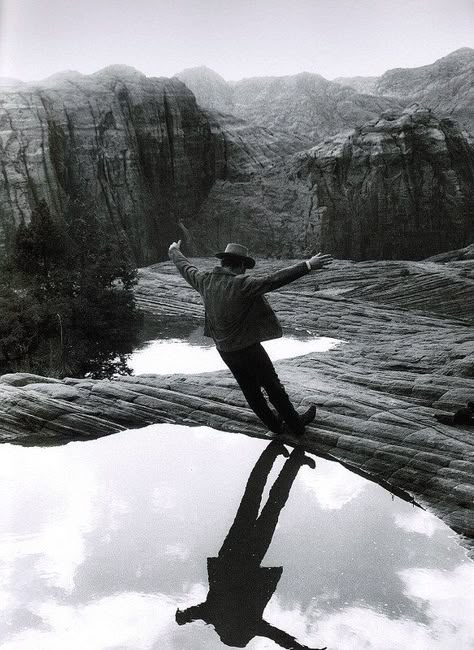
(276, 392)
(242, 365)
(240, 533)
(266, 523)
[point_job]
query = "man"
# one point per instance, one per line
(238, 317)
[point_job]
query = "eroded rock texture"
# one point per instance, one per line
(399, 187)
(407, 354)
(137, 149)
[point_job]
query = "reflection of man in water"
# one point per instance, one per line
(239, 318)
(239, 588)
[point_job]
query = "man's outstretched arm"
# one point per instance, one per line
(273, 281)
(189, 272)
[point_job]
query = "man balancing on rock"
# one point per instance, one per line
(238, 317)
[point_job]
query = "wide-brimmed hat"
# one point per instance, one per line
(236, 250)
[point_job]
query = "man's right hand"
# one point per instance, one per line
(176, 245)
(319, 261)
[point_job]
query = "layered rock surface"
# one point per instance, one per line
(136, 150)
(407, 354)
(400, 186)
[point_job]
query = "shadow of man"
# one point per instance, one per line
(239, 588)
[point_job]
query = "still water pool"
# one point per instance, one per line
(102, 542)
(190, 352)
(177, 538)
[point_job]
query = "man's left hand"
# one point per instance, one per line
(319, 261)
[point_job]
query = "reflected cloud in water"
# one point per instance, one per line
(420, 522)
(333, 486)
(101, 542)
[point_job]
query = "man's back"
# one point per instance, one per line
(236, 317)
(237, 313)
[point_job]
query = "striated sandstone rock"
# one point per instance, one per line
(138, 149)
(376, 394)
(400, 187)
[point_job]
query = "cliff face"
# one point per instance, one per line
(400, 187)
(136, 149)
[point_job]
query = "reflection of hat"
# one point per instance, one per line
(236, 250)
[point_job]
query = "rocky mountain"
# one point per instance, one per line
(10, 82)
(306, 106)
(211, 90)
(365, 85)
(314, 108)
(398, 187)
(446, 86)
(137, 150)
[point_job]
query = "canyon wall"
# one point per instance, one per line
(287, 165)
(398, 187)
(137, 150)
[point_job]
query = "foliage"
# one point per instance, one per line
(66, 297)
(19, 326)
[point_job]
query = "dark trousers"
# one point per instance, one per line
(254, 371)
(250, 535)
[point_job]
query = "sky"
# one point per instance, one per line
(237, 39)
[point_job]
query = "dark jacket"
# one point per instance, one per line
(238, 595)
(237, 313)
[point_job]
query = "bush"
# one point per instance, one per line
(67, 300)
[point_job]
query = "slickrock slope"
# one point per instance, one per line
(402, 360)
(400, 186)
(136, 150)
